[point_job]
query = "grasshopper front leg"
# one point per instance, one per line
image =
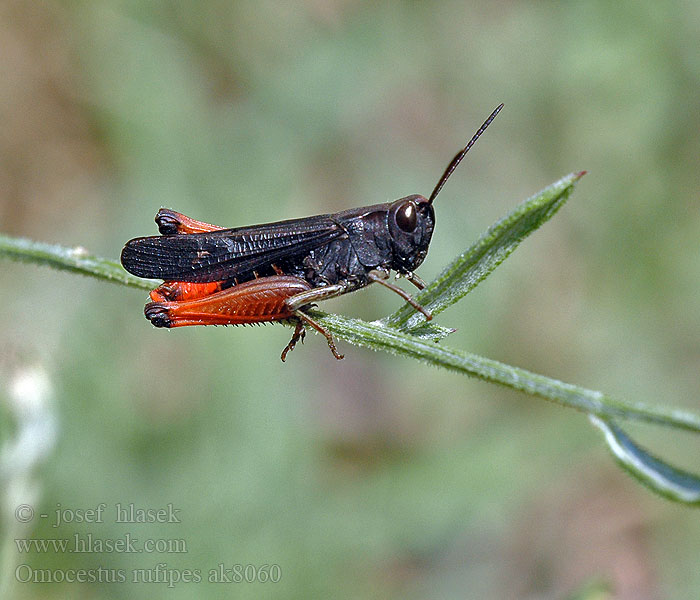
(381, 275)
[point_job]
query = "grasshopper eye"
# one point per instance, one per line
(406, 217)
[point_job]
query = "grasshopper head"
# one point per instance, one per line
(411, 224)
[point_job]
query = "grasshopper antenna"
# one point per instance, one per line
(461, 154)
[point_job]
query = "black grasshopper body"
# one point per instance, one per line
(274, 271)
(341, 248)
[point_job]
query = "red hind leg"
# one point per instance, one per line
(275, 298)
(170, 222)
(177, 291)
(257, 301)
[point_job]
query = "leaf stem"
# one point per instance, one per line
(406, 333)
(380, 337)
(76, 260)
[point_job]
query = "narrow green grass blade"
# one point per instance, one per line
(77, 260)
(656, 474)
(659, 476)
(476, 263)
(380, 337)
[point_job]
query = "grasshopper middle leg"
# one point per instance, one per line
(305, 298)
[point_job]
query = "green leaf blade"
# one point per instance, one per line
(469, 269)
(657, 475)
(76, 260)
(389, 339)
(419, 343)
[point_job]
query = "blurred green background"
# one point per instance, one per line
(373, 477)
